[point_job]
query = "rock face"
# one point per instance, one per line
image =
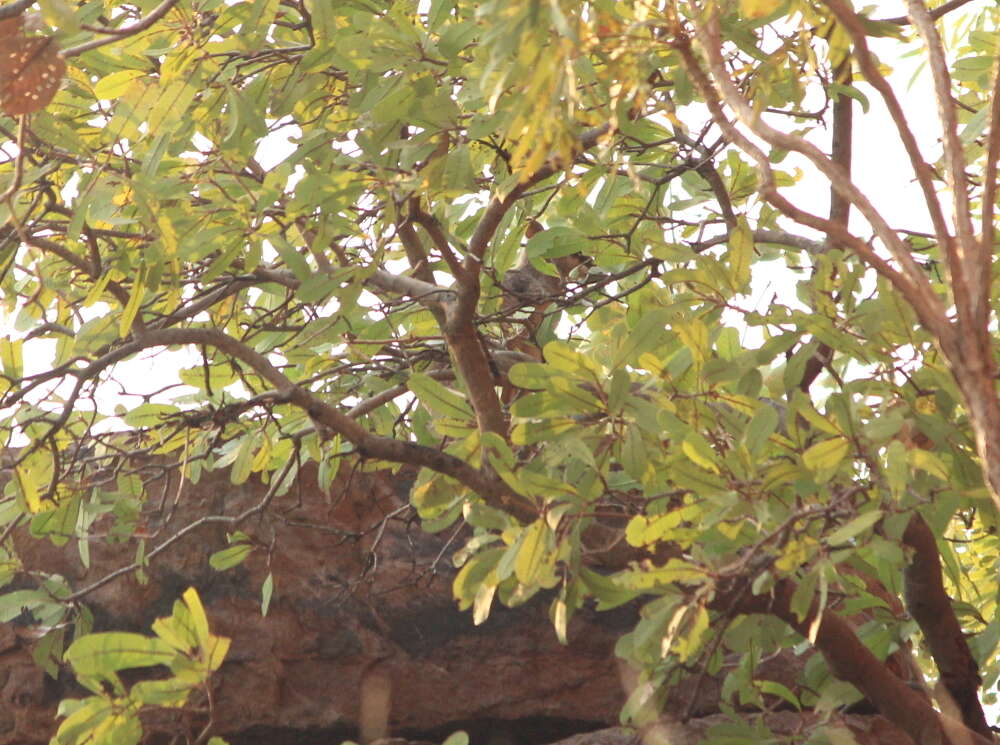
(362, 638)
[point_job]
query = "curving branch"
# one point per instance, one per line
(114, 34)
(920, 291)
(910, 281)
(966, 345)
(929, 604)
(437, 235)
(841, 147)
(938, 12)
(500, 206)
(868, 66)
(15, 8)
(415, 253)
(329, 418)
(990, 173)
(970, 286)
(92, 271)
(850, 660)
(471, 359)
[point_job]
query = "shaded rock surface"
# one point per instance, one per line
(362, 639)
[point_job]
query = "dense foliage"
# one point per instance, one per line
(526, 247)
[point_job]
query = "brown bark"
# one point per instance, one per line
(850, 660)
(931, 608)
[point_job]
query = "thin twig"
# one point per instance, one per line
(115, 34)
(233, 520)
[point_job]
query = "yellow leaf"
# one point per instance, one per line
(29, 489)
(199, 621)
(729, 530)
(132, 309)
(699, 452)
(826, 455)
(929, 462)
(532, 553)
(694, 335)
(795, 553)
(113, 86)
(167, 234)
(758, 8)
(559, 619)
(483, 602)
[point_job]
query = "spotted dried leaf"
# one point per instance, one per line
(31, 71)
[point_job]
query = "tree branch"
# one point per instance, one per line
(433, 228)
(15, 8)
(841, 146)
(870, 70)
(930, 606)
(415, 253)
(499, 206)
(471, 360)
(969, 350)
(115, 34)
(850, 660)
(491, 488)
(920, 292)
(971, 288)
(990, 173)
(120, 293)
(938, 12)
(911, 284)
(455, 318)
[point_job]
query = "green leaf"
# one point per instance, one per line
(266, 591)
(649, 333)
(674, 571)
(10, 357)
(473, 575)
(171, 103)
(532, 375)
(439, 399)
(240, 471)
(104, 654)
(440, 9)
(292, 258)
(608, 593)
(762, 425)
(774, 688)
(171, 692)
(804, 595)
(897, 470)
(131, 310)
(740, 254)
(230, 557)
(858, 525)
(556, 242)
(635, 458)
(457, 738)
(929, 462)
(149, 415)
